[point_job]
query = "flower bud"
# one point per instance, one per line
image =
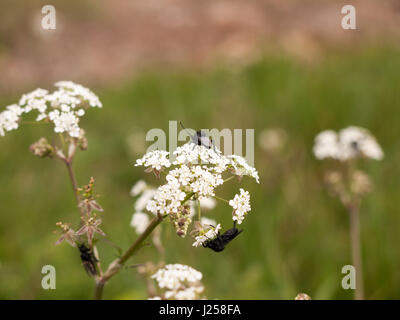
(82, 140)
(360, 184)
(42, 148)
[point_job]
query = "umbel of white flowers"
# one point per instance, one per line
(141, 220)
(63, 107)
(193, 175)
(180, 282)
(349, 143)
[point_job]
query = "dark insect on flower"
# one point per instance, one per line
(200, 138)
(88, 260)
(219, 243)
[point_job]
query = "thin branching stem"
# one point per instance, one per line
(118, 263)
(230, 178)
(222, 199)
(199, 209)
(72, 177)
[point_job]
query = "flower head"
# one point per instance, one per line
(349, 143)
(180, 282)
(64, 107)
(138, 188)
(140, 221)
(205, 233)
(241, 206)
(154, 161)
(241, 168)
(9, 119)
(194, 175)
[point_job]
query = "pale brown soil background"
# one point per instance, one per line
(103, 42)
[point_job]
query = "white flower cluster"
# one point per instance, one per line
(349, 143)
(207, 221)
(198, 171)
(138, 188)
(9, 118)
(241, 206)
(64, 107)
(156, 159)
(208, 203)
(140, 220)
(180, 281)
(241, 168)
(209, 233)
(194, 174)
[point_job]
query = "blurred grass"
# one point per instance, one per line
(296, 237)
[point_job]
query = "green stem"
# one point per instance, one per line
(74, 183)
(218, 198)
(356, 250)
(63, 142)
(32, 122)
(117, 264)
(199, 209)
(230, 178)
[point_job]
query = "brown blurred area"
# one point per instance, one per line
(101, 42)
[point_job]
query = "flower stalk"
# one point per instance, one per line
(356, 249)
(72, 177)
(118, 263)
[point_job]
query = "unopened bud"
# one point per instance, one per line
(180, 233)
(42, 148)
(360, 183)
(181, 222)
(82, 140)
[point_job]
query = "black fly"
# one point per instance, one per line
(88, 260)
(219, 243)
(200, 138)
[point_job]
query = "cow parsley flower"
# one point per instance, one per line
(208, 203)
(207, 221)
(154, 160)
(326, 145)
(208, 233)
(167, 199)
(143, 200)
(181, 282)
(241, 206)
(193, 177)
(138, 188)
(9, 119)
(349, 143)
(63, 108)
(356, 141)
(75, 92)
(140, 221)
(191, 153)
(65, 122)
(241, 168)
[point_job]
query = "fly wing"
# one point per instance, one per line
(90, 267)
(230, 234)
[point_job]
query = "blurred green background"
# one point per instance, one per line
(296, 236)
